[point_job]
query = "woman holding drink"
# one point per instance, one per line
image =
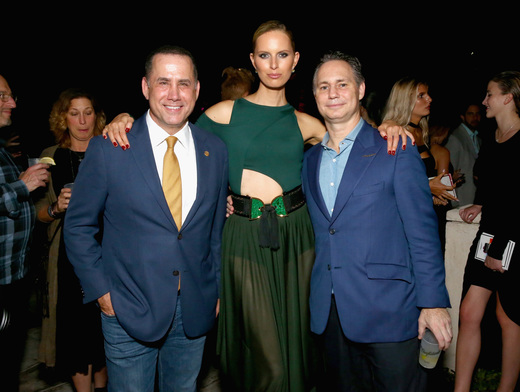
(72, 341)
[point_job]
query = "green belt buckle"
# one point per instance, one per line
(257, 204)
(279, 206)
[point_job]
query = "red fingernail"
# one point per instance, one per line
(128, 146)
(115, 144)
(104, 136)
(404, 147)
(123, 147)
(385, 137)
(127, 130)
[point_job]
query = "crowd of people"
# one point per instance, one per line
(315, 245)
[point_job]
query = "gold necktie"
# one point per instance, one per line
(171, 182)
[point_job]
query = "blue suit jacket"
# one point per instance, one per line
(380, 250)
(142, 248)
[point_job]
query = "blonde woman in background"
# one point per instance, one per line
(409, 105)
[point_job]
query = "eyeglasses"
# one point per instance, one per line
(4, 97)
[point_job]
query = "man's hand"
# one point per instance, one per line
(35, 176)
(438, 321)
(105, 304)
(229, 207)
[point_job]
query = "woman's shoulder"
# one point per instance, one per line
(220, 112)
(440, 151)
(311, 128)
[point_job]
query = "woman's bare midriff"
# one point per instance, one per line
(260, 186)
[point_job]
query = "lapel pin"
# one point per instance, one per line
(206, 153)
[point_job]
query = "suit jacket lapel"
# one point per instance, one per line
(313, 168)
(202, 151)
(141, 149)
(363, 152)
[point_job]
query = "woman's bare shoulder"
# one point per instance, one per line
(311, 128)
(221, 112)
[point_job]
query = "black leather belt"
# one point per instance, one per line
(253, 208)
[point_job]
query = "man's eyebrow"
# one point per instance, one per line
(167, 79)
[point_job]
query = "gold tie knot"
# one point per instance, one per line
(171, 140)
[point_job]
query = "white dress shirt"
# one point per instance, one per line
(186, 155)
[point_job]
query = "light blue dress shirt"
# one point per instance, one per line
(333, 165)
(473, 136)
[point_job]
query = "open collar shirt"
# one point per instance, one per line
(473, 135)
(333, 165)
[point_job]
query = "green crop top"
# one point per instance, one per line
(265, 139)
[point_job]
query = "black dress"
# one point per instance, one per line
(496, 168)
(79, 339)
(440, 210)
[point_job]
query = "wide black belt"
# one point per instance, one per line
(253, 208)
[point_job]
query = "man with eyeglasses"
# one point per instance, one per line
(7, 141)
(17, 218)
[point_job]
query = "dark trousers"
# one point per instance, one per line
(14, 298)
(356, 367)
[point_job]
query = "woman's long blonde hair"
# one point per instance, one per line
(401, 102)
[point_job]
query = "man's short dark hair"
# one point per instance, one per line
(173, 50)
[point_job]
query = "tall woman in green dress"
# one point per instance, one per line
(264, 339)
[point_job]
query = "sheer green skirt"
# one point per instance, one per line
(264, 338)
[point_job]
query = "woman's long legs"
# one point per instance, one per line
(469, 338)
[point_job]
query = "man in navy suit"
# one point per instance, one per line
(378, 279)
(144, 261)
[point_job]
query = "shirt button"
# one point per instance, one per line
(175, 273)
(332, 231)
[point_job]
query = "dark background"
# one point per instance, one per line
(47, 49)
